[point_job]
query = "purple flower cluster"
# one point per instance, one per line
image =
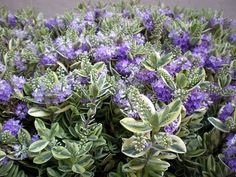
(230, 152)
(226, 111)
(146, 76)
(48, 59)
(57, 94)
(196, 100)
(18, 82)
(67, 49)
(5, 91)
(104, 53)
(162, 92)
(181, 63)
(147, 19)
(172, 127)
(21, 110)
(13, 126)
(180, 39)
(11, 19)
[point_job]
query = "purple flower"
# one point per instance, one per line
(104, 53)
(5, 91)
(146, 76)
(76, 25)
(232, 37)
(120, 96)
(20, 64)
(48, 59)
(180, 39)
(196, 100)
(34, 138)
(56, 94)
(179, 64)
(122, 50)
(216, 21)
(147, 19)
(226, 111)
(13, 126)
(214, 62)
(11, 19)
(2, 67)
(123, 67)
(67, 49)
(172, 127)
(166, 12)
(21, 110)
(230, 152)
(50, 23)
(162, 92)
(18, 82)
(139, 39)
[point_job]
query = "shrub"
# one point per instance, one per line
(118, 90)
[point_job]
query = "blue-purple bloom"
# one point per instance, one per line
(19, 63)
(2, 67)
(180, 39)
(48, 59)
(34, 138)
(226, 111)
(123, 67)
(18, 82)
(11, 19)
(21, 110)
(146, 76)
(214, 62)
(5, 91)
(196, 100)
(181, 63)
(50, 23)
(172, 127)
(12, 125)
(230, 152)
(232, 37)
(216, 21)
(147, 19)
(163, 92)
(104, 53)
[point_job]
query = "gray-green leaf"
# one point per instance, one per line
(218, 124)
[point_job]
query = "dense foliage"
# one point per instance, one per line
(119, 90)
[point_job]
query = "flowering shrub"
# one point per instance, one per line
(117, 91)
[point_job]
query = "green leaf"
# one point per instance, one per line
(2, 155)
(43, 157)
(178, 146)
(60, 152)
(24, 136)
(170, 113)
(66, 108)
(167, 78)
(85, 149)
(54, 130)
(78, 169)
(52, 172)
(136, 164)
(196, 77)
(135, 126)
(218, 124)
(181, 80)
(39, 145)
(99, 66)
(128, 148)
(93, 90)
(38, 112)
(39, 124)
